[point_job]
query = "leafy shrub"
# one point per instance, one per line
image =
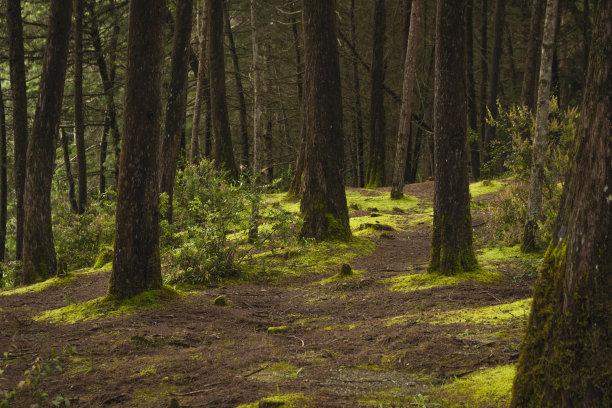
(10, 273)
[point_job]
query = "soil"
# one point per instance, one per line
(338, 351)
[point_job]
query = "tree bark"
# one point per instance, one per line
(471, 92)
(68, 168)
(376, 162)
(566, 355)
(177, 101)
(224, 151)
(528, 90)
(20, 110)
(79, 121)
(484, 70)
(136, 262)
(403, 134)
(451, 248)
(257, 111)
(3, 179)
(202, 87)
(358, 117)
(538, 157)
(38, 250)
(323, 204)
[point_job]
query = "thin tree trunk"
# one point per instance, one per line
(177, 102)
(406, 13)
(20, 110)
(471, 92)
(136, 261)
(257, 111)
(3, 180)
(536, 180)
(451, 249)
(79, 121)
(484, 71)
(202, 89)
(358, 117)
(406, 110)
(38, 248)
(68, 168)
(103, 152)
(528, 90)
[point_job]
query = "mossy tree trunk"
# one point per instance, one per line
(376, 162)
(451, 248)
(566, 357)
(323, 204)
(39, 260)
(136, 262)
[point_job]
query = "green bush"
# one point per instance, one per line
(10, 274)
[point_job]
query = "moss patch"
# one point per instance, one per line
(420, 281)
(340, 276)
(278, 329)
(102, 308)
(46, 284)
(366, 199)
(154, 395)
(494, 256)
(276, 372)
(496, 314)
(486, 187)
(296, 400)
(487, 388)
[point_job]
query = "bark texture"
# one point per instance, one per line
(538, 157)
(528, 90)
(403, 134)
(471, 92)
(3, 179)
(323, 204)
(357, 116)
(68, 168)
(566, 357)
(136, 262)
(79, 120)
(451, 248)
(202, 87)
(39, 260)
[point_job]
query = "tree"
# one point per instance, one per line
(79, 121)
(177, 101)
(38, 248)
(323, 203)
(376, 162)
(528, 94)
(20, 109)
(451, 248)
(566, 354)
(3, 179)
(224, 151)
(74, 206)
(538, 157)
(358, 119)
(202, 86)
(471, 91)
(406, 110)
(136, 261)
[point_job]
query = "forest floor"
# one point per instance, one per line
(389, 335)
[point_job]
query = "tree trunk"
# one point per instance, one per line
(323, 204)
(484, 70)
(471, 92)
(528, 94)
(376, 162)
(202, 88)
(538, 157)
(358, 117)
(3, 180)
(136, 262)
(20, 110)
(103, 152)
(451, 248)
(257, 132)
(494, 69)
(406, 13)
(406, 110)
(38, 250)
(224, 151)
(566, 354)
(79, 121)
(68, 168)
(177, 101)
(244, 133)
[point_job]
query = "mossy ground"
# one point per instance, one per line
(51, 282)
(292, 400)
(421, 281)
(486, 187)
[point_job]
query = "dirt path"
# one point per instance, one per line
(340, 345)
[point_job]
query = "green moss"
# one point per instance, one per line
(494, 256)
(486, 187)
(222, 301)
(101, 308)
(337, 228)
(486, 388)
(364, 199)
(289, 205)
(277, 372)
(154, 395)
(497, 314)
(365, 226)
(55, 281)
(420, 281)
(105, 256)
(339, 276)
(296, 400)
(278, 329)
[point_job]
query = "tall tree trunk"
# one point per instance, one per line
(376, 162)
(202, 88)
(536, 180)
(494, 69)
(323, 204)
(68, 168)
(528, 90)
(224, 151)
(244, 133)
(3, 179)
(451, 248)
(257, 110)
(403, 133)
(471, 92)
(20, 109)
(79, 120)
(566, 354)
(406, 13)
(136, 262)
(103, 153)
(357, 115)
(38, 249)
(484, 71)
(177, 101)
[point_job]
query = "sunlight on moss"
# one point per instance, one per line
(339, 276)
(296, 400)
(275, 372)
(420, 281)
(487, 388)
(55, 281)
(292, 206)
(153, 395)
(493, 256)
(486, 187)
(496, 314)
(374, 200)
(101, 308)
(367, 225)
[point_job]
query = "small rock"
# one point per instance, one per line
(221, 301)
(174, 403)
(346, 270)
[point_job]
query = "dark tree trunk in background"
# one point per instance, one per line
(403, 133)
(528, 90)
(102, 157)
(202, 87)
(494, 69)
(136, 262)
(20, 110)
(471, 92)
(3, 179)
(406, 12)
(484, 70)
(177, 101)
(358, 117)
(38, 249)
(79, 120)
(566, 355)
(244, 133)
(224, 151)
(451, 248)
(323, 204)
(376, 161)
(68, 168)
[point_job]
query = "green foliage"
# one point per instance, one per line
(10, 274)
(490, 387)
